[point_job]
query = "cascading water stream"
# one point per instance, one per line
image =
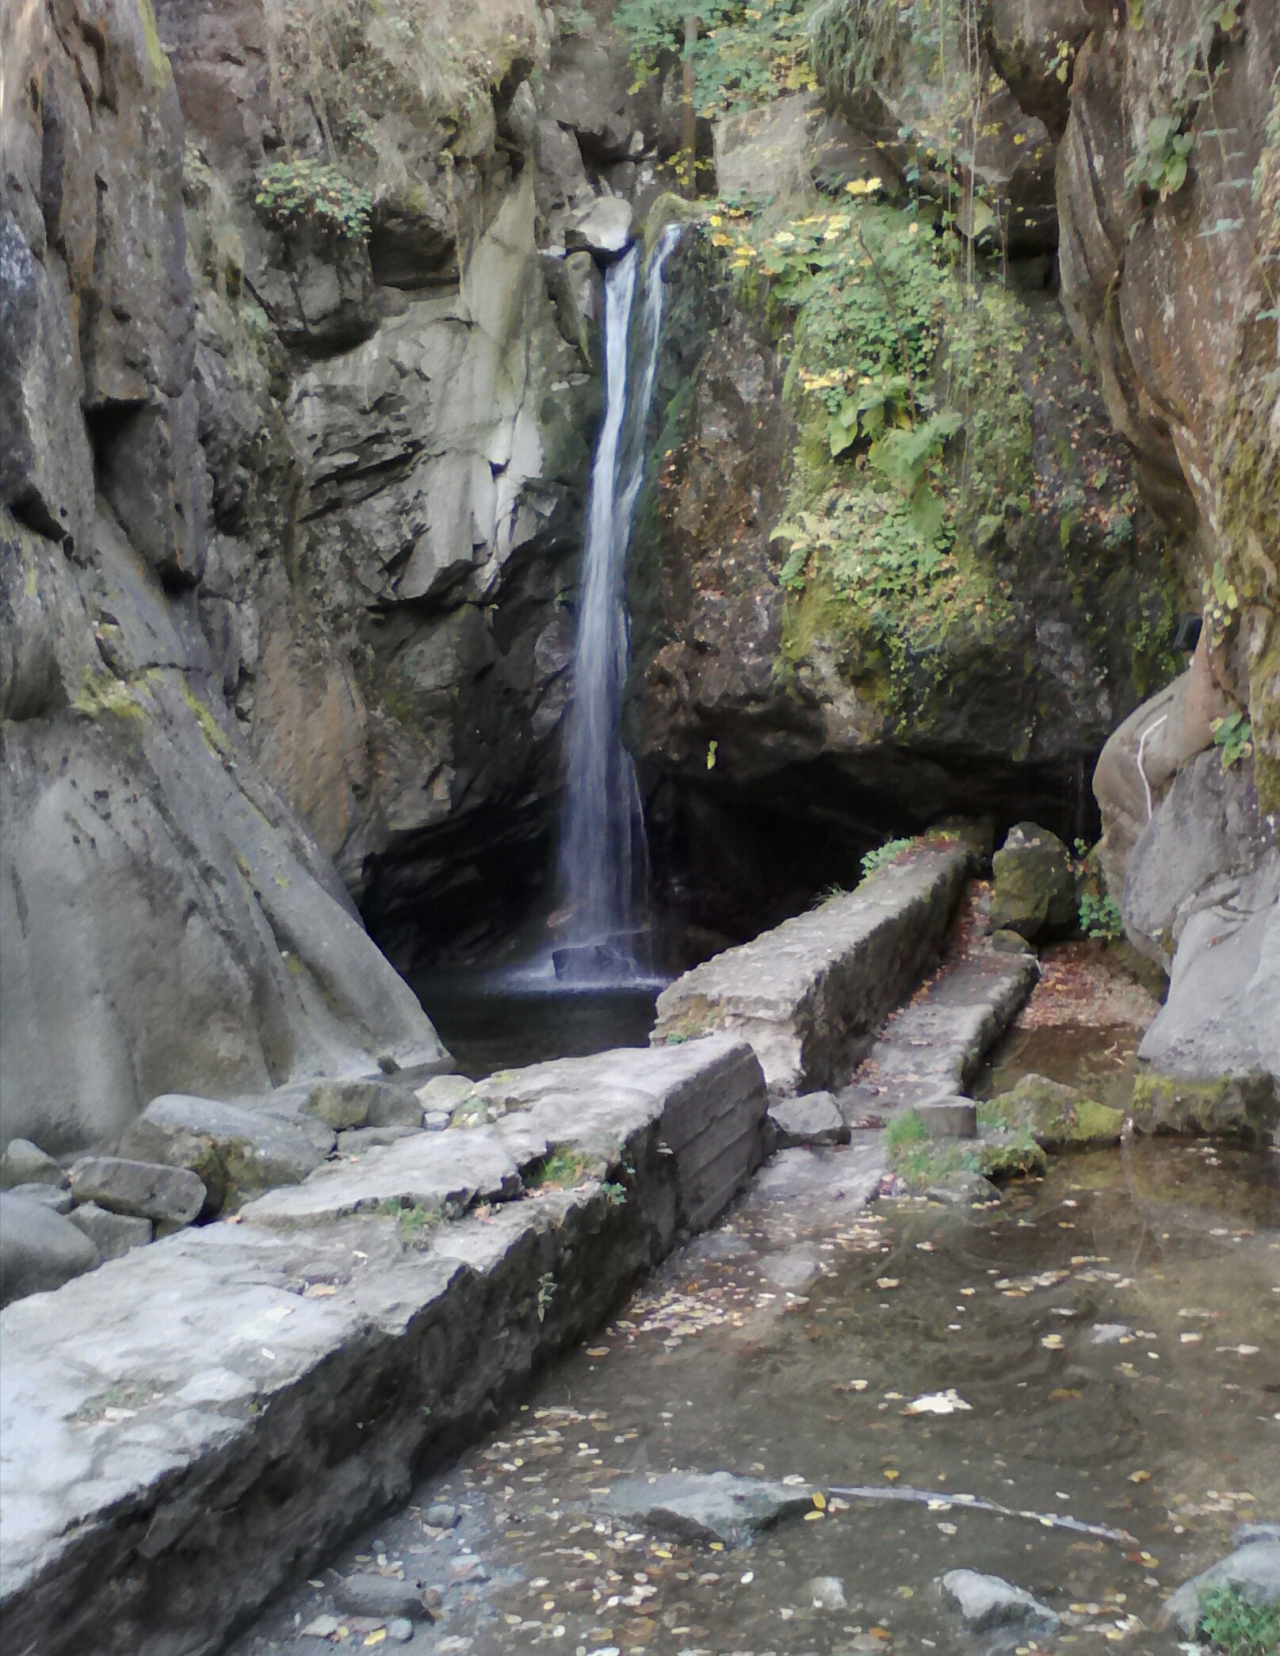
(604, 863)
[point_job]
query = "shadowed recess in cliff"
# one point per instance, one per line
(603, 854)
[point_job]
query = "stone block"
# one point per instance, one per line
(949, 1118)
(364, 1103)
(50, 1196)
(148, 1190)
(1035, 890)
(113, 1234)
(705, 1506)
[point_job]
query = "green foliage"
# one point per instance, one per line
(1233, 735)
(1161, 165)
(904, 1133)
(413, 1220)
(854, 41)
(1100, 916)
(560, 1171)
(922, 1161)
(293, 195)
(884, 856)
(1236, 1626)
(745, 55)
(614, 1193)
(546, 1293)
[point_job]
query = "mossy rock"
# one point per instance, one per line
(1056, 1116)
(1035, 888)
(1229, 1105)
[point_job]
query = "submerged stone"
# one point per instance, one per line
(987, 1601)
(705, 1506)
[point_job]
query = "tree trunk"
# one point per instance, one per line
(689, 114)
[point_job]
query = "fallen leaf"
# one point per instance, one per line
(938, 1403)
(1060, 1394)
(887, 1282)
(597, 1351)
(1139, 1477)
(892, 1476)
(1053, 1342)
(947, 1529)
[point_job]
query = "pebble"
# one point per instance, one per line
(442, 1515)
(400, 1629)
(826, 1593)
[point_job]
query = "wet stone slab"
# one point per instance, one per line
(208, 1417)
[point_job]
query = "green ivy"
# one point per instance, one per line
(1236, 1626)
(1233, 736)
(1100, 916)
(1161, 165)
(293, 195)
(745, 55)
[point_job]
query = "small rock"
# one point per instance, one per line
(113, 1234)
(383, 1596)
(444, 1093)
(1109, 1333)
(25, 1163)
(986, 1601)
(792, 1269)
(435, 1121)
(50, 1196)
(400, 1629)
(964, 1188)
(826, 1593)
(370, 1103)
(467, 1568)
(705, 1506)
(810, 1120)
(148, 1190)
(441, 1515)
(39, 1250)
(1254, 1568)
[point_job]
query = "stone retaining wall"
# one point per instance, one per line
(810, 994)
(195, 1424)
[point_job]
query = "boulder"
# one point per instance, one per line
(604, 228)
(53, 1197)
(172, 1196)
(987, 1601)
(1035, 889)
(1253, 1568)
(25, 1163)
(812, 1119)
(705, 1506)
(39, 1250)
(1056, 1115)
(236, 1149)
(113, 1234)
(380, 1596)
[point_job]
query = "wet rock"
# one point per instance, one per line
(400, 1630)
(1243, 1534)
(442, 1515)
(1056, 1115)
(382, 1596)
(49, 1196)
(24, 1163)
(148, 1190)
(236, 1149)
(987, 1601)
(792, 1269)
(826, 1593)
(39, 1249)
(113, 1234)
(963, 1188)
(1005, 941)
(1253, 1568)
(1035, 889)
(705, 1506)
(812, 1119)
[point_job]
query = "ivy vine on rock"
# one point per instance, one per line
(297, 195)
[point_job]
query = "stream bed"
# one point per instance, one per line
(1113, 1328)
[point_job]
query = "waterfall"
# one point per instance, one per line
(604, 863)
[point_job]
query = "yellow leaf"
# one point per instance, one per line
(892, 1476)
(1139, 1477)
(819, 1500)
(376, 1637)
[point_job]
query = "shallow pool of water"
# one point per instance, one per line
(1113, 1329)
(488, 1023)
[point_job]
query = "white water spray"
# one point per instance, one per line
(604, 863)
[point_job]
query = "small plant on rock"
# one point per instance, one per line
(1236, 1626)
(1161, 166)
(884, 856)
(1233, 736)
(1100, 916)
(294, 195)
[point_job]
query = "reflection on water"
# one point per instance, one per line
(1114, 1328)
(1101, 1062)
(489, 1025)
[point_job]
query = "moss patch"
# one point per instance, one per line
(921, 1161)
(1056, 1116)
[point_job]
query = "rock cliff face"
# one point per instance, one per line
(166, 920)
